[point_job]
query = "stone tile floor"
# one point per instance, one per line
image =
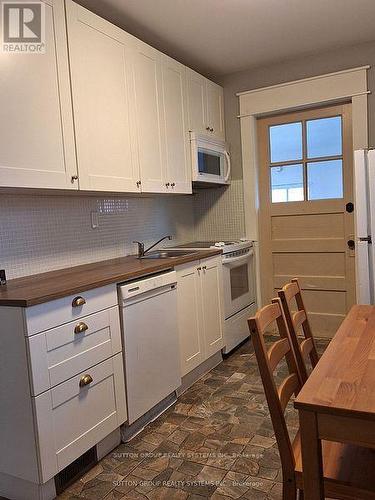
(216, 442)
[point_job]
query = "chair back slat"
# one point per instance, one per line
(306, 347)
(269, 315)
(277, 352)
(296, 321)
(267, 362)
(287, 388)
(291, 290)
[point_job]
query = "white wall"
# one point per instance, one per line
(284, 71)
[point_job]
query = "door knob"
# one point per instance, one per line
(349, 207)
(351, 244)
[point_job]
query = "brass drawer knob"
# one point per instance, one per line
(78, 301)
(80, 327)
(85, 380)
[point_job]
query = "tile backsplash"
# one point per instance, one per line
(43, 233)
(39, 234)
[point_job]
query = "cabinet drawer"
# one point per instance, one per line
(72, 418)
(60, 311)
(62, 352)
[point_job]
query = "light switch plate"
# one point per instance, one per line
(94, 220)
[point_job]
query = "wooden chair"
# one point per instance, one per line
(348, 470)
(295, 321)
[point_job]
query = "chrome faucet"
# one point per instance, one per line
(141, 246)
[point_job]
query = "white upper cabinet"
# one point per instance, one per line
(197, 102)
(206, 105)
(102, 86)
(149, 117)
(215, 109)
(178, 165)
(36, 126)
(100, 110)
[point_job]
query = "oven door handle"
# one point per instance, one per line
(238, 260)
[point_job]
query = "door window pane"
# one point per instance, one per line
(287, 183)
(324, 137)
(286, 142)
(325, 180)
(239, 281)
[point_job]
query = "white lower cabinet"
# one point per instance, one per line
(200, 311)
(62, 377)
(77, 414)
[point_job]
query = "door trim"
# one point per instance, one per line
(333, 88)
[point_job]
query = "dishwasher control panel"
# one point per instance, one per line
(143, 285)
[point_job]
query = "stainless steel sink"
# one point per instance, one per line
(167, 254)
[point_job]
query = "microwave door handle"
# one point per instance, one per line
(227, 157)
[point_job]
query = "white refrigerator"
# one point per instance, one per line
(364, 174)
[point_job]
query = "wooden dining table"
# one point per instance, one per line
(337, 403)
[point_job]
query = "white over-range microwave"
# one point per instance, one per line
(210, 160)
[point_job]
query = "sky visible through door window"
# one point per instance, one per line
(306, 160)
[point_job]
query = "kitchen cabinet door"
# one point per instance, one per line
(178, 167)
(197, 102)
(215, 110)
(100, 56)
(36, 127)
(189, 316)
(149, 116)
(212, 304)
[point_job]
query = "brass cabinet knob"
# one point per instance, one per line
(85, 380)
(81, 327)
(78, 301)
(167, 184)
(211, 129)
(173, 184)
(207, 128)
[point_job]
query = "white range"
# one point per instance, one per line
(239, 286)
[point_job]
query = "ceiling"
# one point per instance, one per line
(218, 37)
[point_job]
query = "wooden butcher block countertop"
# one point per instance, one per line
(39, 288)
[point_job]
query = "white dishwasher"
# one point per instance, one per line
(151, 344)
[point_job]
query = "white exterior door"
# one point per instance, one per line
(215, 109)
(178, 167)
(197, 102)
(36, 127)
(100, 55)
(149, 117)
(190, 317)
(212, 304)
